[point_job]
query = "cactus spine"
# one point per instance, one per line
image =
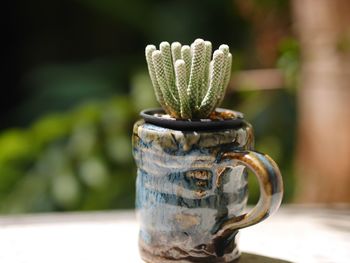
(187, 82)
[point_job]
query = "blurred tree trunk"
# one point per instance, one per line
(324, 100)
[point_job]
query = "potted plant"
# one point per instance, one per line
(192, 158)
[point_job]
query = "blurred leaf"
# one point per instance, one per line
(82, 141)
(119, 149)
(271, 145)
(50, 128)
(15, 144)
(66, 189)
(142, 93)
(94, 173)
(289, 61)
(30, 194)
(9, 175)
(117, 115)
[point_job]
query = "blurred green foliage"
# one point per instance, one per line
(289, 61)
(80, 159)
(80, 80)
(273, 115)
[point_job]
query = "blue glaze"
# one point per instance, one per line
(186, 192)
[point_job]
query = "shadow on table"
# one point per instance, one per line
(253, 258)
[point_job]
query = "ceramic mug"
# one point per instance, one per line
(192, 191)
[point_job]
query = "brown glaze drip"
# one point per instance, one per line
(212, 253)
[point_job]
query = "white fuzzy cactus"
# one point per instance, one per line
(187, 82)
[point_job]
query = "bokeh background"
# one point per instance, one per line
(75, 78)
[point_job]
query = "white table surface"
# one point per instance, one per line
(295, 234)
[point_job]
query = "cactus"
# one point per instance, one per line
(188, 84)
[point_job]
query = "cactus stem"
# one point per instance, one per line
(181, 83)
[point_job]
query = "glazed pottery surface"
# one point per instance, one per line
(192, 191)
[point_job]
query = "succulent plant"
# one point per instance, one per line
(188, 82)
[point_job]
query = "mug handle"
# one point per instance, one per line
(271, 189)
